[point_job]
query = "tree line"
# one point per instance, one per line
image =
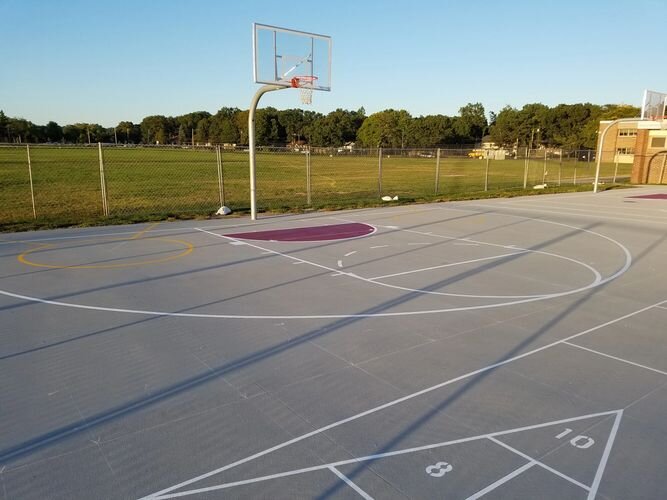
(571, 126)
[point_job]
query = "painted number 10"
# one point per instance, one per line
(579, 441)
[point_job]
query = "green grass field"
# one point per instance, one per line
(156, 183)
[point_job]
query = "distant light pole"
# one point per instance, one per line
(532, 134)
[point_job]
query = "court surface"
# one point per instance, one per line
(510, 348)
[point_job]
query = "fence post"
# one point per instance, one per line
(32, 191)
(486, 173)
(380, 171)
(308, 180)
(221, 177)
(615, 166)
(544, 169)
(437, 170)
(560, 166)
(103, 184)
(525, 169)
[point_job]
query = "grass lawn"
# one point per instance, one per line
(154, 183)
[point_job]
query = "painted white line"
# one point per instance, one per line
(528, 208)
(235, 242)
(405, 398)
(236, 483)
(379, 246)
(297, 263)
(541, 464)
(501, 481)
(340, 263)
(616, 358)
(421, 243)
(350, 253)
(165, 493)
(446, 265)
(464, 244)
(605, 457)
(351, 484)
(516, 300)
(640, 211)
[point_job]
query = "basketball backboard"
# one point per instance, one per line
(291, 58)
(653, 106)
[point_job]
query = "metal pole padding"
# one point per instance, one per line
(251, 143)
(32, 191)
(525, 169)
(486, 173)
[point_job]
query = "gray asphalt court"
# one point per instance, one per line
(505, 348)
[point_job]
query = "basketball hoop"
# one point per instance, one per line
(305, 84)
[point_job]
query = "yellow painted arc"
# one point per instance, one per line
(189, 247)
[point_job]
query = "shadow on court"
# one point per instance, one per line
(133, 406)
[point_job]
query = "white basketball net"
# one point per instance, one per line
(306, 95)
(305, 85)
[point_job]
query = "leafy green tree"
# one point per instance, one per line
(268, 131)
(241, 121)
(336, 128)
(432, 131)
(292, 120)
(471, 123)
(155, 129)
(128, 132)
(517, 127)
(53, 132)
(388, 128)
(4, 123)
(201, 132)
(566, 123)
(223, 128)
(19, 130)
(185, 126)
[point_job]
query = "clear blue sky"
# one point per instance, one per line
(93, 61)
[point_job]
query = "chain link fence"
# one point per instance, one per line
(84, 184)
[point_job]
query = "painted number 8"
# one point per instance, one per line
(439, 469)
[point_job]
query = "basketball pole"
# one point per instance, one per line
(251, 144)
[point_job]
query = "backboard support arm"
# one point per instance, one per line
(251, 142)
(601, 145)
